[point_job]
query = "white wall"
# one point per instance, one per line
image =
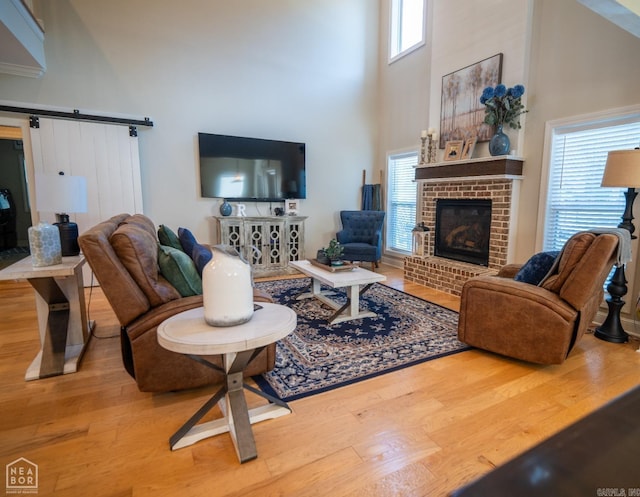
(459, 33)
(404, 92)
(580, 64)
(466, 32)
(285, 70)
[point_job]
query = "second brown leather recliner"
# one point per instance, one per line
(539, 323)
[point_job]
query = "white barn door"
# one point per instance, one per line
(104, 154)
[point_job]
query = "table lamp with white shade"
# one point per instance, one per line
(62, 195)
(621, 170)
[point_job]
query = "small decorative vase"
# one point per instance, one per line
(499, 143)
(322, 258)
(44, 245)
(227, 291)
(225, 208)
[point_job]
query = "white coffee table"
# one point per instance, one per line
(340, 279)
(188, 333)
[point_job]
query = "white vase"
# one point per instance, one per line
(227, 290)
(44, 245)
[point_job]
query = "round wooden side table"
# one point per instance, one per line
(188, 333)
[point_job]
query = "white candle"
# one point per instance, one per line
(424, 133)
(434, 136)
(432, 131)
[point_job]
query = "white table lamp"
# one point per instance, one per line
(62, 194)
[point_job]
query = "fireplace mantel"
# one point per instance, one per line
(504, 166)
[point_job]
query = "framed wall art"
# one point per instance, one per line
(461, 113)
(453, 150)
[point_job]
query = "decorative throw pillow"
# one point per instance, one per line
(179, 270)
(187, 240)
(167, 237)
(537, 267)
(201, 255)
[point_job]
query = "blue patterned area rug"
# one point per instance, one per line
(318, 356)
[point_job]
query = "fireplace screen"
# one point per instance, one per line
(463, 227)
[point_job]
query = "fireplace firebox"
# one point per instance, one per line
(462, 230)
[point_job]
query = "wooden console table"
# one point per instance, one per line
(62, 314)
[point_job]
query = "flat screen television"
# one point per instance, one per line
(237, 168)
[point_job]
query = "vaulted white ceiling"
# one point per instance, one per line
(22, 37)
(623, 13)
(21, 41)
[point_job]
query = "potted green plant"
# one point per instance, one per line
(333, 252)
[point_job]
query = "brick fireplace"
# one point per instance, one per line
(491, 178)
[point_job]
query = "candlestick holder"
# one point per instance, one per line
(431, 150)
(423, 161)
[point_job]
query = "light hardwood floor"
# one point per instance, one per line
(421, 431)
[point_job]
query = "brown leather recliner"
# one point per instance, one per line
(122, 252)
(539, 324)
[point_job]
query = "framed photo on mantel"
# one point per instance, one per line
(469, 146)
(461, 113)
(453, 150)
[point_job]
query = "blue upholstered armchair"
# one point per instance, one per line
(361, 236)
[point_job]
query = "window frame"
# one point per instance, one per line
(395, 31)
(607, 118)
(399, 154)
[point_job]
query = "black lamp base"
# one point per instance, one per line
(68, 236)
(611, 330)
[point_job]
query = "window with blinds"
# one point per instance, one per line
(575, 199)
(401, 203)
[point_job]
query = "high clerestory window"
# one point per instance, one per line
(407, 30)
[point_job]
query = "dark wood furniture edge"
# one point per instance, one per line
(461, 169)
(597, 453)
